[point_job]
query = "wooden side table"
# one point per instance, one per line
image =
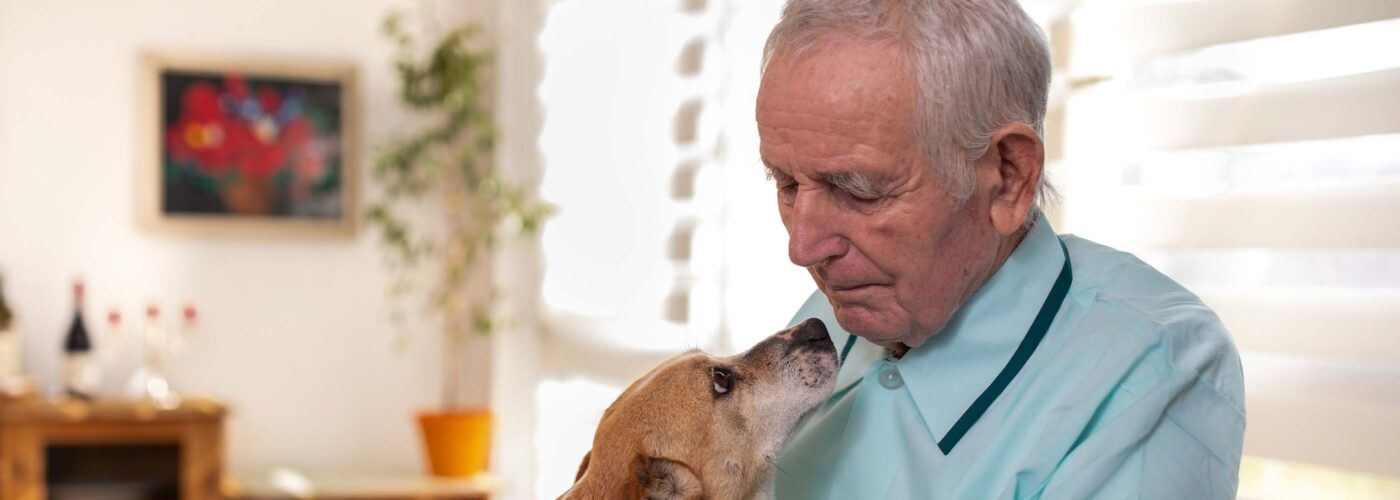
(371, 488)
(28, 428)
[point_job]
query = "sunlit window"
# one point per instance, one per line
(632, 94)
(1292, 58)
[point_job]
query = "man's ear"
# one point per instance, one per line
(1012, 167)
(660, 478)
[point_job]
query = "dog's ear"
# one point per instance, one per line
(574, 491)
(583, 467)
(649, 478)
(660, 478)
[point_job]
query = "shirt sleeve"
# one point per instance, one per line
(1181, 438)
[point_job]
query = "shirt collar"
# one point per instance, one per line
(947, 374)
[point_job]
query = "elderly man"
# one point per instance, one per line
(987, 356)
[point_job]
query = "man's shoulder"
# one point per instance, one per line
(1138, 300)
(1119, 280)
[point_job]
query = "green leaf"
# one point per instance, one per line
(447, 160)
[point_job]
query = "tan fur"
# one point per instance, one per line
(671, 436)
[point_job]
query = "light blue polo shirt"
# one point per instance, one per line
(1134, 391)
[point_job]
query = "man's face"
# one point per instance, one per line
(893, 251)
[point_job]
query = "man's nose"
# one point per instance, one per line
(812, 238)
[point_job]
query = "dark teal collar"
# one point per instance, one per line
(1043, 319)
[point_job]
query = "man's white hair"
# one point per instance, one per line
(978, 65)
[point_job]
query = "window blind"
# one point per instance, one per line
(1250, 149)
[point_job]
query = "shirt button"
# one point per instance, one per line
(890, 379)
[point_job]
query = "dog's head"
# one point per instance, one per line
(704, 426)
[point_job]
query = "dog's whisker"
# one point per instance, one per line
(780, 468)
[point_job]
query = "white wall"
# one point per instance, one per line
(298, 339)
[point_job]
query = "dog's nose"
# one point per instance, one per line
(812, 331)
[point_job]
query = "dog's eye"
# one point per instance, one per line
(722, 380)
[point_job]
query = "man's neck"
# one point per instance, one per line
(1005, 249)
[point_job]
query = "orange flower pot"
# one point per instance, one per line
(458, 442)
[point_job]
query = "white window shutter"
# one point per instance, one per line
(1251, 150)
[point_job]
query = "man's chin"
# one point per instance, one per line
(868, 324)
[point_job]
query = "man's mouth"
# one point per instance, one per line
(853, 288)
(849, 285)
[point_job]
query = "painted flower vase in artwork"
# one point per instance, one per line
(247, 197)
(458, 442)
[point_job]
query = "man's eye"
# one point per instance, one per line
(860, 198)
(787, 190)
(721, 380)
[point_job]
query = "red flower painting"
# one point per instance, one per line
(233, 144)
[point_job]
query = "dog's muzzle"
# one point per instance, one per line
(810, 335)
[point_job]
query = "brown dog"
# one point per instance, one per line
(705, 427)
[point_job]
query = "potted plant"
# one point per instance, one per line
(446, 166)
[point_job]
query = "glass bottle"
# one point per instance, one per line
(150, 382)
(81, 370)
(11, 347)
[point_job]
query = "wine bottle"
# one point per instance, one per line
(180, 341)
(6, 317)
(190, 327)
(149, 381)
(156, 343)
(80, 373)
(112, 339)
(11, 349)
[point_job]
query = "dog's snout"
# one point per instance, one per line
(812, 331)
(809, 336)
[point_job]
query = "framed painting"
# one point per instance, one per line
(243, 145)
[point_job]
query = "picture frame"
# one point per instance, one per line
(248, 145)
